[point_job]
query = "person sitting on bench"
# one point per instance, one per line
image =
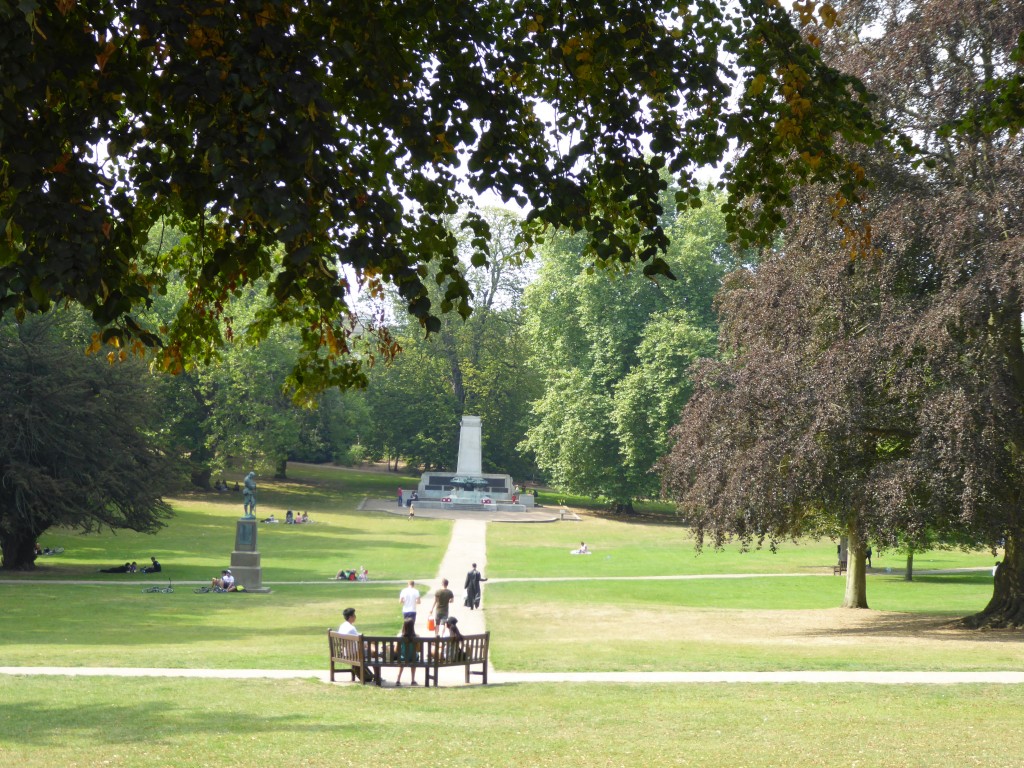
(455, 651)
(348, 627)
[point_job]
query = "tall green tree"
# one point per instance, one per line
(76, 439)
(478, 365)
(415, 412)
(239, 406)
(334, 428)
(311, 147)
(614, 356)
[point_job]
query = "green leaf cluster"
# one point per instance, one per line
(310, 149)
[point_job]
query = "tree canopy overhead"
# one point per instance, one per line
(323, 143)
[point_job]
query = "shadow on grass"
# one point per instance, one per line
(976, 578)
(147, 721)
(912, 627)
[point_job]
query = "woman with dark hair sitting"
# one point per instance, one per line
(407, 649)
(453, 649)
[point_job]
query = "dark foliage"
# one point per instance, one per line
(323, 143)
(886, 391)
(73, 451)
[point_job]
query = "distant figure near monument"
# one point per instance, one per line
(249, 495)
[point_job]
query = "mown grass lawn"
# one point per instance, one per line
(644, 601)
(198, 540)
(47, 722)
(626, 547)
(619, 624)
(778, 621)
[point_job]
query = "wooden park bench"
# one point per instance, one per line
(358, 654)
(839, 568)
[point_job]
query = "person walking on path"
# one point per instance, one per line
(399, 495)
(409, 598)
(473, 579)
(442, 599)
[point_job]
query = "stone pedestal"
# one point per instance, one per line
(245, 560)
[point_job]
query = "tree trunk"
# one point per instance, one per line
(19, 549)
(1006, 608)
(281, 472)
(856, 582)
(201, 477)
(909, 575)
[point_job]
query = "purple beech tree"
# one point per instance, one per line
(885, 392)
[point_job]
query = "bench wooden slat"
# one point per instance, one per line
(359, 653)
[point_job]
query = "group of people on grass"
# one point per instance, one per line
(225, 582)
(347, 574)
(441, 623)
(290, 518)
(133, 567)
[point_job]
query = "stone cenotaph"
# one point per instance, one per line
(469, 489)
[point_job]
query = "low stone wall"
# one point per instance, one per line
(500, 506)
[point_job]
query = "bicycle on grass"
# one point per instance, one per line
(157, 588)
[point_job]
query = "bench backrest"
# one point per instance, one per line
(355, 649)
(471, 649)
(346, 648)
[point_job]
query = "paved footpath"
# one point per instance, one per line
(509, 678)
(468, 545)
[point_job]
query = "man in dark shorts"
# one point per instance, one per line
(442, 599)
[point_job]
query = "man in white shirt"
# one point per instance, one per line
(409, 598)
(348, 627)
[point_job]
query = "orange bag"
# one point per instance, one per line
(431, 625)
